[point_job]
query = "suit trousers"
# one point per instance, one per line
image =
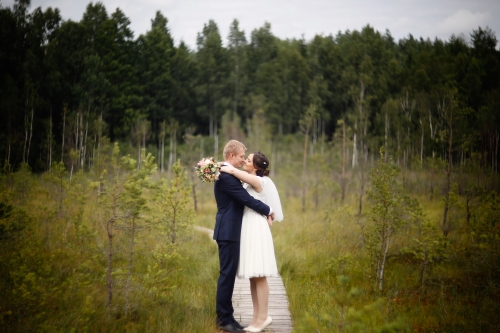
(229, 255)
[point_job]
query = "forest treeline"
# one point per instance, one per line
(66, 85)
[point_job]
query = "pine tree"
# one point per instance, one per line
(175, 204)
(123, 201)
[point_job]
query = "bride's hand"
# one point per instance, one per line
(270, 220)
(227, 169)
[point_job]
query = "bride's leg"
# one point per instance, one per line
(255, 301)
(262, 288)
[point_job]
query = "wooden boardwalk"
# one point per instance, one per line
(278, 302)
(278, 305)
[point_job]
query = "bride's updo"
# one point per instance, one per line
(261, 163)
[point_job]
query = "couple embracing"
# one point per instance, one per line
(244, 214)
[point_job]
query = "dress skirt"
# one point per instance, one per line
(257, 257)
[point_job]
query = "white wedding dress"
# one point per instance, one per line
(257, 257)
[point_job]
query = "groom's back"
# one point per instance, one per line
(229, 211)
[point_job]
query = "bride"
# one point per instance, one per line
(257, 260)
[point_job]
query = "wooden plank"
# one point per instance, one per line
(278, 305)
(278, 301)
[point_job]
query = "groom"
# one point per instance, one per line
(231, 198)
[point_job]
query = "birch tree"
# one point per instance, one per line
(305, 124)
(386, 215)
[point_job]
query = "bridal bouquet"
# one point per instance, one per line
(207, 170)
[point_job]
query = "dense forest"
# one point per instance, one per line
(385, 154)
(65, 85)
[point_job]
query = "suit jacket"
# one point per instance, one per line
(231, 199)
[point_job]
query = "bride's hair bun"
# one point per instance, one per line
(261, 163)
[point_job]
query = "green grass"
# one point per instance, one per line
(52, 269)
(308, 247)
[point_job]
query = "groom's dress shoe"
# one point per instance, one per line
(231, 328)
(238, 325)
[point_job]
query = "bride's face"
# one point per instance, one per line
(248, 164)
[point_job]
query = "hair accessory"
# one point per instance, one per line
(264, 163)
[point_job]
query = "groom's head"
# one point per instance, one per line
(234, 153)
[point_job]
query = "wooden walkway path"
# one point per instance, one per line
(278, 305)
(278, 301)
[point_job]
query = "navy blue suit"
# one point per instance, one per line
(231, 199)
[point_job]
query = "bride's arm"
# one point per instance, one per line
(252, 180)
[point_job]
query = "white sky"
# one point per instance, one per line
(294, 18)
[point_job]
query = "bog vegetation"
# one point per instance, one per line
(385, 154)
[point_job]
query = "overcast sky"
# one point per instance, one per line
(294, 18)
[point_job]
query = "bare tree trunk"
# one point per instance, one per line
(138, 153)
(25, 129)
(202, 148)
(304, 165)
(354, 151)
(193, 190)
(163, 153)
(362, 120)
(63, 133)
(84, 147)
(399, 146)
(216, 143)
(130, 265)
(109, 279)
(496, 152)
(31, 130)
(175, 144)
(81, 141)
(93, 159)
(446, 223)
(361, 192)
(8, 153)
(210, 125)
(99, 137)
(171, 152)
(432, 129)
(342, 176)
(422, 143)
(315, 132)
(386, 153)
(50, 139)
(77, 139)
(385, 245)
(323, 135)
